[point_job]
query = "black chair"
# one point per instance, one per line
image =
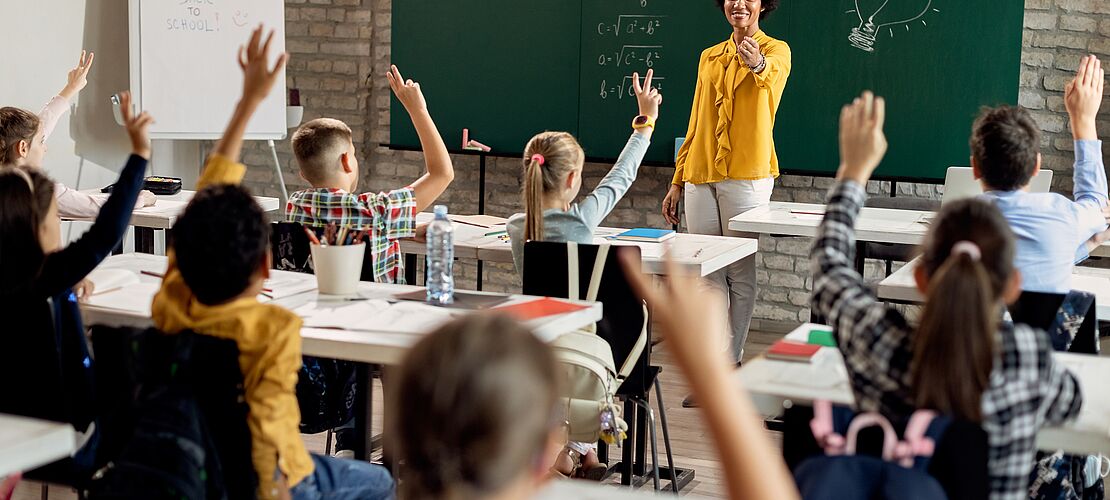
(890, 252)
(1041, 310)
(290, 247)
(545, 274)
(129, 359)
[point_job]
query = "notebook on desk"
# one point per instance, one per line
(646, 235)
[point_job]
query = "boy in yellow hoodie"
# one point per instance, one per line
(218, 260)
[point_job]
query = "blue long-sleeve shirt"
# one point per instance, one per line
(578, 223)
(1052, 231)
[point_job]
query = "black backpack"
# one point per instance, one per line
(174, 424)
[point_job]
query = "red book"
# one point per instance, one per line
(786, 350)
(539, 308)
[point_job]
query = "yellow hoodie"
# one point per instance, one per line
(269, 340)
(732, 119)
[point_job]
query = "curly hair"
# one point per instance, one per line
(769, 6)
(220, 241)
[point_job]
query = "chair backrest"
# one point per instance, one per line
(960, 183)
(1049, 312)
(545, 274)
(292, 252)
(132, 362)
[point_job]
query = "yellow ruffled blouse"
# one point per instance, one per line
(732, 119)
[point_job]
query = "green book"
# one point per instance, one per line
(822, 337)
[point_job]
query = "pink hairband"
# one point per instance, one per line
(538, 158)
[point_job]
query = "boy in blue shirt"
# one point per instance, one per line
(1053, 232)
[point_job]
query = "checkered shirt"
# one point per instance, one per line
(387, 216)
(1027, 389)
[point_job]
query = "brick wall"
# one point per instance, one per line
(335, 44)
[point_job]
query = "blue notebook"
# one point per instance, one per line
(646, 234)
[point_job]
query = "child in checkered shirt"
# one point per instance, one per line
(962, 359)
(327, 160)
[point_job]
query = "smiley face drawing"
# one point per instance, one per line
(241, 18)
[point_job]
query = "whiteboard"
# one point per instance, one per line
(184, 70)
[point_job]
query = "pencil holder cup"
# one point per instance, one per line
(338, 268)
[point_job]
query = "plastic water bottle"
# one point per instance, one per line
(440, 259)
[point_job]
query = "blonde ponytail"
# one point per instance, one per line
(548, 158)
(533, 201)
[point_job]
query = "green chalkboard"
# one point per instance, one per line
(508, 69)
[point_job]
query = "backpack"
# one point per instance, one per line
(592, 379)
(900, 472)
(170, 421)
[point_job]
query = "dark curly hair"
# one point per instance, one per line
(220, 242)
(769, 6)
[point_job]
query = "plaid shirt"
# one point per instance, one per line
(1027, 389)
(387, 216)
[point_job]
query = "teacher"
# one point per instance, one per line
(728, 164)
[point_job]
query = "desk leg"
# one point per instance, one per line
(364, 411)
(478, 280)
(144, 240)
(410, 269)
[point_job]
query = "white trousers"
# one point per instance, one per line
(708, 210)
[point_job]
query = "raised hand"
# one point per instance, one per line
(862, 142)
(254, 59)
(749, 52)
(407, 91)
(138, 127)
(647, 97)
(1083, 96)
(77, 78)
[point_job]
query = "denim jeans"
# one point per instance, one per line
(340, 479)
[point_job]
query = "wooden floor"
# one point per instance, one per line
(692, 447)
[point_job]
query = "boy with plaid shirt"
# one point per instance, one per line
(326, 156)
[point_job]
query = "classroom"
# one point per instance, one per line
(532, 249)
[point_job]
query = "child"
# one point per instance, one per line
(693, 322)
(1052, 231)
(45, 361)
(962, 360)
(218, 260)
(476, 412)
(23, 142)
(552, 178)
(326, 156)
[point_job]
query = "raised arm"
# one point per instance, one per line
(693, 323)
(597, 205)
(76, 80)
(258, 80)
(1083, 97)
(440, 170)
(65, 268)
(770, 65)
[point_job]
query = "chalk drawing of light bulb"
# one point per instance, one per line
(874, 15)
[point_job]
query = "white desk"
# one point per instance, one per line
(700, 254)
(382, 347)
(27, 443)
(900, 286)
(879, 225)
(164, 214)
(772, 383)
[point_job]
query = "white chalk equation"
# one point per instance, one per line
(631, 24)
(631, 55)
(625, 87)
(879, 17)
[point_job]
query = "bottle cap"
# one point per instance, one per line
(440, 210)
